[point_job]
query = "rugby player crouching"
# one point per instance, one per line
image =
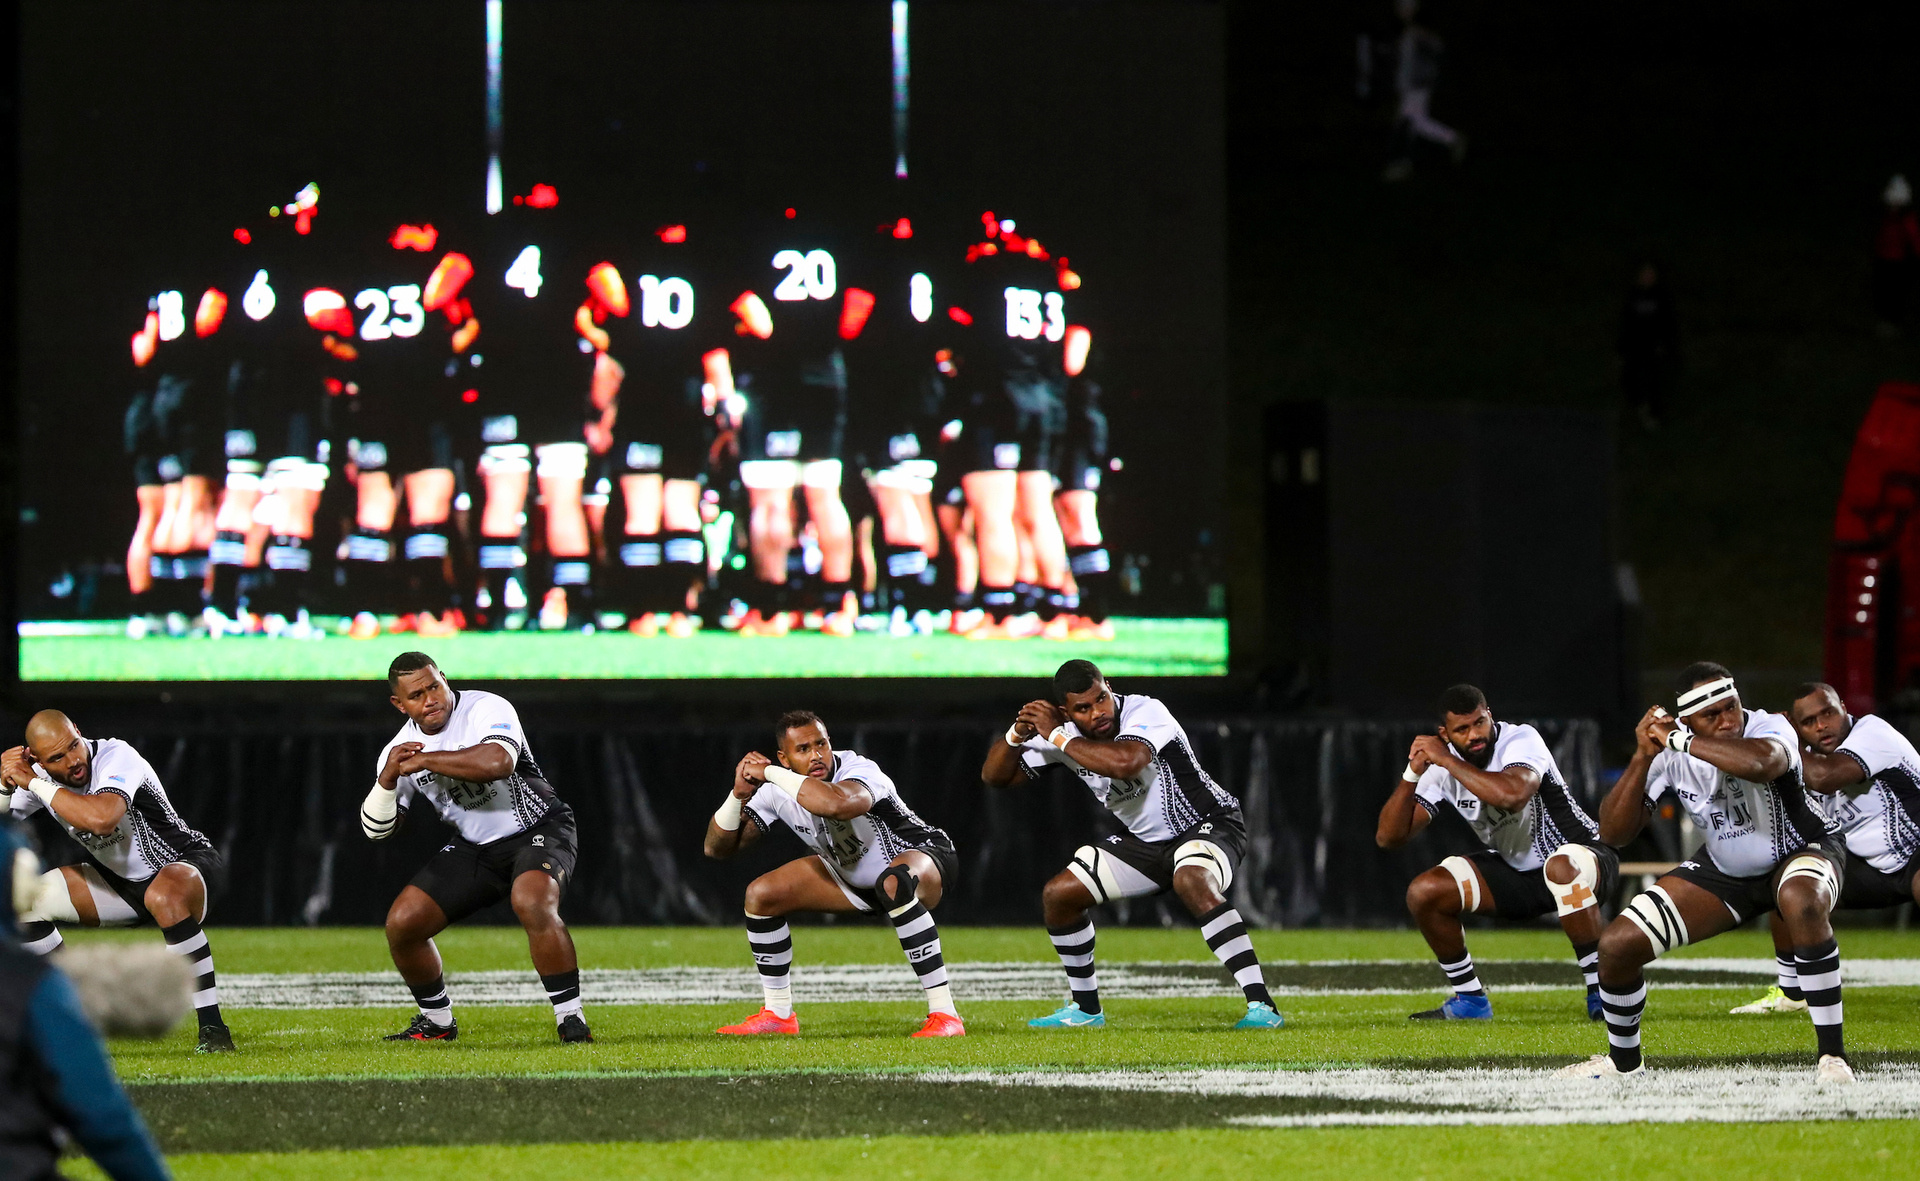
(1541, 854)
(465, 754)
(142, 861)
(1184, 831)
(1867, 777)
(871, 852)
(1737, 772)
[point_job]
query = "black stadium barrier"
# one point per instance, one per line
(285, 812)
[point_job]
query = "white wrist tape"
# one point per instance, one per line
(377, 813)
(728, 817)
(1013, 735)
(1680, 739)
(45, 789)
(784, 779)
(1059, 737)
(1408, 774)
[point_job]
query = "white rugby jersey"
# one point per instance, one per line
(857, 850)
(1170, 796)
(1527, 837)
(1749, 827)
(482, 812)
(1882, 824)
(148, 837)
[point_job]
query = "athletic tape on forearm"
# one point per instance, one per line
(44, 789)
(728, 817)
(1013, 735)
(378, 811)
(1060, 737)
(1680, 740)
(784, 779)
(1408, 774)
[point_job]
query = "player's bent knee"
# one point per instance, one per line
(1657, 927)
(1810, 885)
(1466, 881)
(1209, 859)
(1573, 878)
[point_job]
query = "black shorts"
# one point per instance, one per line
(464, 877)
(1746, 897)
(1866, 888)
(1523, 894)
(1078, 467)
(944, 858)
(1154, 859)
(205, 858)
(417, 447)
(659, 437)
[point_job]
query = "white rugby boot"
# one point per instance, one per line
(1601, 1066)
(1774, 1001)
(1834, 1069)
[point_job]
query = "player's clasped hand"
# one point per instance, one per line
(1653, 729)
(1425, 752)
(401, 761)
(748, 777)
(1040, 717)
(16, 770)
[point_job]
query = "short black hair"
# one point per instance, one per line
(1075, 676)
(407, 662)
(1462, 699)
(791, 720)
(1808, 689)
(1698, 673)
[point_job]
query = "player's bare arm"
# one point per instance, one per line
(1004, 765)
(1401, 817)
(1833, 774)
(480, 763)
(1509, 789)
(723, 841)
(1118, 758)
(1623, 813)
(1756, 760)
(391, 772)
(99, 813)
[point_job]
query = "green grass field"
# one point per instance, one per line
(1141, 647)
(1166, 1090)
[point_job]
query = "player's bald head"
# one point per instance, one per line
(49, 730)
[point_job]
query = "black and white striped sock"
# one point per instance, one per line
(1226, 934)
(1074, 945)
(434, 1003)
(1819, 969)
(772, 944)
(563, 992)
(920, 939)
(1789, 971)
(1623, 1011)
(1588, 956)
(186, 940)
(40, 938)
(1460, 974)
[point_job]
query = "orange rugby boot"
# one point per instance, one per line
(765, 1021)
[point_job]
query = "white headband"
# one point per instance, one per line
(1701, 696)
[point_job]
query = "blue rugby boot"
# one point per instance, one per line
(1070, 1017)
(1260, 1016)
(1459, 1008)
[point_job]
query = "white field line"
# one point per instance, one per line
(1511, 1096)
(883, 982)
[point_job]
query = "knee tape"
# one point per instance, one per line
(821, 473)
(1577, 895)
(1658, 919)
(50, 901)
(1107, 878)
(562, 461)
(905, 893)
(769, 474)
(505, 459)
(1812, 865)
(1465, 877)
(1207, 856)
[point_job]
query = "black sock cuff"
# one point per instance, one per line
(1075, 929)
(765, 926)
(1825, 949)
(181, 931)
(1215, 913)
(426, 992)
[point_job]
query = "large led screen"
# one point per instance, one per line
(620, 340)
